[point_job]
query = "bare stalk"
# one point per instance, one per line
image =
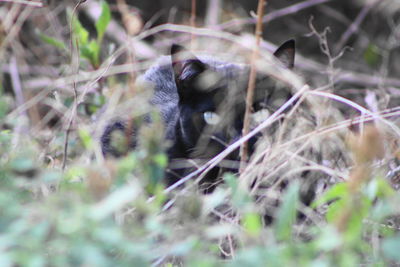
(25, 2)
(75, 69)
(127, 21)
(251, 85)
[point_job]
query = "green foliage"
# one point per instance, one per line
(240, 197)
(89, 48)
(86, 138)
(104, 20)
(72, 226)
(93, 103)
(287, 213)
(347, 215)
(116, 212)
(372, 55)
(52, 41)
(3, 102)
(252, 223)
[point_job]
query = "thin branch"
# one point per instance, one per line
(75, 69)
(13, 32)
(355, 25)
(251, 85)
(25, 2)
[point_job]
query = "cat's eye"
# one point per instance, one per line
(211, 118)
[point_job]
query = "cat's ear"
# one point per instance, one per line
(186, 68)
(285, 53)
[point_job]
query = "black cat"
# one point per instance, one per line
(202, 103)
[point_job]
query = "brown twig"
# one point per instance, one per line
(75, 70)
(251, 85)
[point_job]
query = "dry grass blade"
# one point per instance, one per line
(217, 159)
(75, 67)
(26, 2)
(244, 154)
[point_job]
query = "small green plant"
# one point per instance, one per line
(364, 197)
(372, 55)
(88, 48)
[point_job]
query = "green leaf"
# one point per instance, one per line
(339, 190)
(231, 181)
(86, 52)
(4, 106)
(94, 47)
(355, 224)
(240, 198)
(81, 33)
(93, 103)
(5, 136)
(252, 223)
(52, 41)
(161, 160)
(91, 52)
(86, 138)
(102, 23)
(127, 164)
(74, 174)
(379, 188)
(335, 209)
(372, 55)
(288, 212)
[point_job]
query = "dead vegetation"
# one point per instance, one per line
(339, 143)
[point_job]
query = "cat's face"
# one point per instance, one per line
(212, 99)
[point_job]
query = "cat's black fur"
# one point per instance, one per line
(187, 88)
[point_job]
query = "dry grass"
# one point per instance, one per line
(344, 125)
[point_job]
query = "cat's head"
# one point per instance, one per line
(212, 98)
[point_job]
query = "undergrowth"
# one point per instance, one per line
(63, 204)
